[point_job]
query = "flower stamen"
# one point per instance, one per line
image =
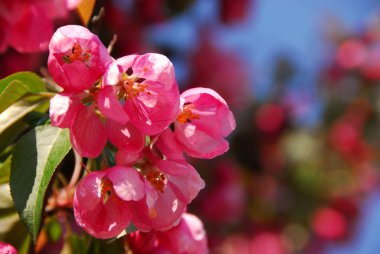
(156, 178)
(106, 189)
(187, 115)
(77, 54)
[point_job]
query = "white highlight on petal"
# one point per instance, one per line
(175, 205)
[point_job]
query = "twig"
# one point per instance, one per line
(77, 169)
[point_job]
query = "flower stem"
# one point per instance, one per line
(77, 169)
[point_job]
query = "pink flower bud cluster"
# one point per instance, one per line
(133, 103)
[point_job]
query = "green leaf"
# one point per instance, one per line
(12, 122)
(16, 86)
(53, 230)
(76, 243)
(31, 80)
(36, 156)
(20, 109)
(5, 168)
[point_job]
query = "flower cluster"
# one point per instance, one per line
(134, 103)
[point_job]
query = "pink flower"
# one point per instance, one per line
(146, 86)
(102, 200)
(170, 184)
(27, 26)
(6, 248)
(204, 121)
(89, 131)
(77, 58)
(188, 237)
(169, 187)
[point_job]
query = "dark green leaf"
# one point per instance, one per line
(36, 156)
(114, 246)
(77, 243)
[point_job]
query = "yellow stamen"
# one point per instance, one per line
(187, 114)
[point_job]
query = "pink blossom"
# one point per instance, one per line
(6, 248)
(188, 237)
(169, 187)
(89, 131)
(170, 184)
(204, 121)
(147, 87)
(27, 26)
(77, 58)
(102, 200)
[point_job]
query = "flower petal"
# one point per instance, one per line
(125, 136)
(87, 133)
(110, 106)
(152, 111)
(63, 108)
(127, 183)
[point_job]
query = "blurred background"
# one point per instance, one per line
(303, 80)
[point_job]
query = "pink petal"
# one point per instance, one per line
(155, 67)
(188, 237)
(115, 70)
(127, 158)
(63, 108)
(100, 218)
(199, 144)
(165, 213)
(127, 183)
(168, 146)
(52, 8)
(125, 136)
(3, 36)
(152, 113)
(110, 106)
(71, 4)
(182, 175)
(6, 248)
(87, 133)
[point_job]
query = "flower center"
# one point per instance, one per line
(77, 54)
(187, 115)
(90, 96)
(106, 189)
(131, 87)
(156, 178)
